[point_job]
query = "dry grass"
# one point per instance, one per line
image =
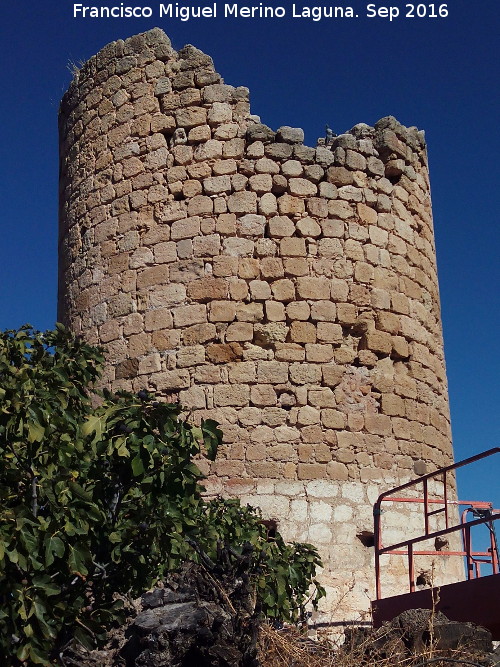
(291, 648)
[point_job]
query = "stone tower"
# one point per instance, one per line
(288, 292)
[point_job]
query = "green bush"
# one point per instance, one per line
(97, 503)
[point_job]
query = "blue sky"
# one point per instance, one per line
(440, 74)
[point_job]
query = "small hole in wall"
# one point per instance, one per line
(394, 178)
(424, 579)
(367, 538)
(272, 528)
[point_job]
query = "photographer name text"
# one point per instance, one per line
(230, 10)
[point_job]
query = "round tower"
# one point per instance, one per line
(286, 291)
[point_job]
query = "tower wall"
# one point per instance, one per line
(288, 292)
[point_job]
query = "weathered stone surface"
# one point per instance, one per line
(290, 135)
(266, 284)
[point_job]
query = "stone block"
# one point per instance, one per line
(266, 335)
(127, 369)
(223, 353)
(160, 318)
(283, 290)
(298, 310)
(193, 398)
(355, 161)
(190, 117)
(192, 355)
(199, 205)
(199, 333)
(271, 267)
(302, 373)
(267, 166)
(155, 275)
(289, 352)
(393, 405)
(268, 204)
(206, 246)
(272, 372)
(303, 332)
(251, 225)
(289, 205)
(321, 398)
(261, 183)
(217, 185)
(377, 341)
(346, 314)
(307, 416)
(167, 295)
(308, 228)
(188, 315)
(207, 289)
(251, 312)
(323, 310)
(239, 331)
(292, 168)
(281, 226)
(378, 424)
(312, 471)
(262, 395)
(313, 288)
(293, 247)
(366, 214)
(235, 247)
(301, 187)
(339, 176)
(171, 380)
(296, 266)
(222, 311)
(400, 347)
(327, 332)
(238, 289)
(388, 322)
(340, 209)
(231, 395)
(290, 135)
(319, 353)
(260, 290)
(324, 156)
(275, 311)
(363, 272)
(226, 224)
(241, 372)
(242, 202)
(185, 228)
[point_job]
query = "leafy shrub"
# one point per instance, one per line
(98, 503)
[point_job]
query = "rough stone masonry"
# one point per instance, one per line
(288, 292)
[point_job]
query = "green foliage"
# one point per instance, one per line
(98, 503)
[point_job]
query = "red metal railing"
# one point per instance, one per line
(406, 548)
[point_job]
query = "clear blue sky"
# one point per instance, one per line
(441, 75)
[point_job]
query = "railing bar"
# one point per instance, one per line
(445, 483)
(411, 568)
(481, 504)
(467, 545)
(454, 466)
(441, 509)
(474, 554)
(445, 531)
(473, 562)
(426, 507)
